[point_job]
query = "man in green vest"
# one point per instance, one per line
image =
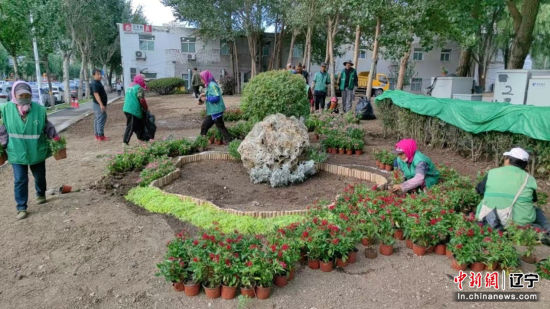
(24, 135)
(509, 194)
(196, 83)
(348, 84)
(418, 169)
(320, 82)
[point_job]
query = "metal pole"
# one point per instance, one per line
(36, 62)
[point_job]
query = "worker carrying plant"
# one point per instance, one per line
(509, 194)
(418, 169)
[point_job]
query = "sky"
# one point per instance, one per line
(156, 13)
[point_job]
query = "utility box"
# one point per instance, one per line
(446, 86)
(538, 91)
(511, 86)
(468, 96)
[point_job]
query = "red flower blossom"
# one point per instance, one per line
(249, 263)
(284, 247)
(335, 241)
(489, 229)
(305, 234)
(487, 239)
(433, 221)
(324, 222)
(195, 242)
(227, 262)
(443, 212)
(280, 254)
(283, 264)
(316, 220)
(374, 187)
(205, 236)
(228, 247)
(383, 217)
(451, 229)
(273, 248)
(196, 260)
(470, 233)
(459, 246)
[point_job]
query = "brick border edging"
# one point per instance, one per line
(216, 155)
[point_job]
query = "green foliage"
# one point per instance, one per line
(56, 146)
(543, 269)
(241, 129)
(164, 86)
(315, 154)
(158, 168)
(200, 143)
(232, 148)
(275, 92)
(228, 84)
(154, 200)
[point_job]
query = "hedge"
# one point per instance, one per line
(164, 86)
(402, 123)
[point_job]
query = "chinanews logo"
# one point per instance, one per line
(498, 286)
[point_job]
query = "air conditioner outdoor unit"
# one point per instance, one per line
(191, 57)
(140, 55)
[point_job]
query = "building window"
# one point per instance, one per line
(150, 75)
(362, 54)
(185, 78)
(132, 73)
(445, 54)
(146, 42)
(188, 45)
(298, 51)
(224, 48)
(416, 84)
(265, 50)
(418, 54)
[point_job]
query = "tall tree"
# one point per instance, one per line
(524, 24)
(14, 32)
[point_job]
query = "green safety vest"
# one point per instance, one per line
(409, 170)
(321, 80)
(27, 143)
(131, 102)
(214, 108)
(502, 185)
(343, 80)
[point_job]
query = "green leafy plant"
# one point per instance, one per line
(315, 154)
(228, 84)
(275, 92)
(158, 168)
(200, 143)
(233, 149)
(56, 146)
(172, 269)
(164, 86)
(543, 269)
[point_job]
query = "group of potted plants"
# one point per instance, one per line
(214, 136)
(384, 160)
(340, 134)
(221, 263)
(335, 144)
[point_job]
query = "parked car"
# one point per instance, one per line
(74, 91)
(45, 97)
(5, 92)
(57, 93)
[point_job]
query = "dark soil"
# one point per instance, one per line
(228, 185)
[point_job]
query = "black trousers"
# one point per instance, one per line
(134, 125)
(208, 123)
(196, 91)
(320, 97)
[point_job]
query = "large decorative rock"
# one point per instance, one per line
(273, 150)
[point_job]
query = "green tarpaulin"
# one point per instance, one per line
(476, 116)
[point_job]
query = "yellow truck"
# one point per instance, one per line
(379, 84)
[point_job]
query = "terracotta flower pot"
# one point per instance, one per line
(316, 136)
(61, 154)
(3, 159)
(419, 250)
(313, 264)
(263, 293)
(491, 266)
(229, 292)
(281, 281)
(430, 249)
(178, 286)
(398, 234)
(326, 267)
(211, 140)
(213, 292)
(370, 253)
(477, 266)
(388, 167)
(365, 241)
(340, 263)
(532, 259)
(330, 150)
(192, 289)
(440, 249)
(349, 152)
(378, 163)
(448, 253)
(358, 152)
(352, 258)
(341, 151)
(455, 265)
(218, 141)
(65, 189)
(386, 249)
(409, 243)
(291, 274)
(248, 292)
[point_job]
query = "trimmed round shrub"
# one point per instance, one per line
(164, 86)
(275, 92)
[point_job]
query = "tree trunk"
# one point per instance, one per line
(464, 63)
(403, 69)
(50, 90)
(306, 46)
(357, 45)
(327, 45)
(106, 81)
(481, 70)
(374, 58)
(252, 48)
(81, 77)
(236, 64)
(524, 24)
(87, 80)
(15, 67)
(279, 53)
(291, 47)
(66, 77)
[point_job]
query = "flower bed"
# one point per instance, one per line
(340, 133)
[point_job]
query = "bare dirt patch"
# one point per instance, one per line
(227, 184)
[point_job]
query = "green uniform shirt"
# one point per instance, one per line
(502, 185)
(27, 143)
(131, 101)
(351, 84)
(409, 170)
(321, 81)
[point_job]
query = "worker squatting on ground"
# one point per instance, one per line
(509, 194)
(25, 135)
(418, 169)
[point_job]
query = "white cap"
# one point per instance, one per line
(518, 153)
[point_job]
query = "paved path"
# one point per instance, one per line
(66, 117)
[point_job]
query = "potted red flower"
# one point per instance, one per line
(385, 235)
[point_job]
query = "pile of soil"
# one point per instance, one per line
(227, 184)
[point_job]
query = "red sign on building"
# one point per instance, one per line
(137, 28)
